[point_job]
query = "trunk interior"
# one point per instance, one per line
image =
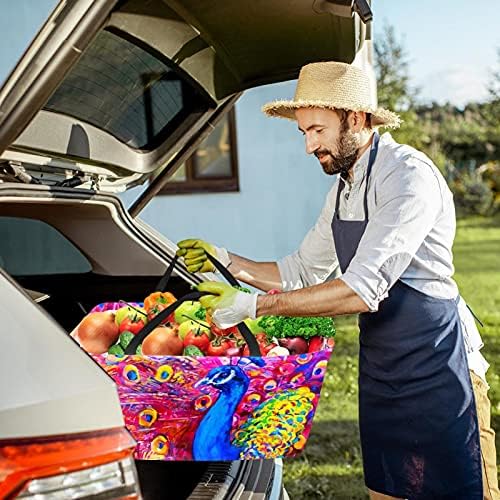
(72, 296)
(121, 262)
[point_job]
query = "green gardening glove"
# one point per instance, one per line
(194, 252)
(227, 305)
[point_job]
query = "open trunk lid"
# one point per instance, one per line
(111, 93)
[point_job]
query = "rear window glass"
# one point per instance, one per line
(128, 91)
(31, 247)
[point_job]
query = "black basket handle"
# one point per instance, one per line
(249, 337)
(223, 270)
(162, 284)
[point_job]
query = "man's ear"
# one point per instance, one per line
(357, 120)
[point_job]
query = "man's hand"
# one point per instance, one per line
(194, 251)
(227, 305)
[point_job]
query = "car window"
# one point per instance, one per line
(31, 247)
(128, 91)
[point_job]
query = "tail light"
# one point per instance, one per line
(87, 465)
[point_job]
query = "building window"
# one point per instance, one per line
(213, 166)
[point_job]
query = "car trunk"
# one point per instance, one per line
(125, 260)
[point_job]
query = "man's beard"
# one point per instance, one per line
(347, 153)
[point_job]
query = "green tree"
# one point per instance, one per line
(391, 68)
(396, 93)
(494, 84)
(491, 110)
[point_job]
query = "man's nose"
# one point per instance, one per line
(311, 144)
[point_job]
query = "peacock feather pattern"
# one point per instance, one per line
(218, 408)
(276, 425)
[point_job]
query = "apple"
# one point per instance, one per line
(195, 326)
(187, 310)
(133, 313)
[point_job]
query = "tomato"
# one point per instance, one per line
(218, 332)
(236, 335)
(157, 309)
(219, 346)
(130, 325)
(315, 344)
(246, 351)
(223, 332)
(197, 338)
(264, 345)
(261, 338)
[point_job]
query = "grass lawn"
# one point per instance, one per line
(330, 466)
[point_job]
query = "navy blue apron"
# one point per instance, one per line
(417, 415)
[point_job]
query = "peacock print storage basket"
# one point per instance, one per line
(218, 408)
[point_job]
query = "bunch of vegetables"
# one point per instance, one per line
(189, 331)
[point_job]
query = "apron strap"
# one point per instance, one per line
(474, 315)
(371, 161)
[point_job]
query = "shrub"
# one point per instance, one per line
(490, 173)
(472, 195)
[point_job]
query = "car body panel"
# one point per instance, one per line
(48, 387)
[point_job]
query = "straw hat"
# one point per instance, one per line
(333, 85)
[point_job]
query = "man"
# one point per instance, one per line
(386, 231)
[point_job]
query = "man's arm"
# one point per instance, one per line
(332, 298)
(261, 275)
(229, 306)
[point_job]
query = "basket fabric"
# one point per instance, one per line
(218, 408)
(113, 306)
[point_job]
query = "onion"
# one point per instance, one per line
(162, 341)
(97, 332)
(296, 345)
(278, 351)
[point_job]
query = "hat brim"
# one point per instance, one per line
(381, 117)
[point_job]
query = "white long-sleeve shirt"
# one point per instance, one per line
(409, 235)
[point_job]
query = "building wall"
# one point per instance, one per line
(282, 190)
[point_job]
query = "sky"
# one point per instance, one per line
(451, 44)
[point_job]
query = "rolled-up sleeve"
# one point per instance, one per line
(408, 203)
(315, 260)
